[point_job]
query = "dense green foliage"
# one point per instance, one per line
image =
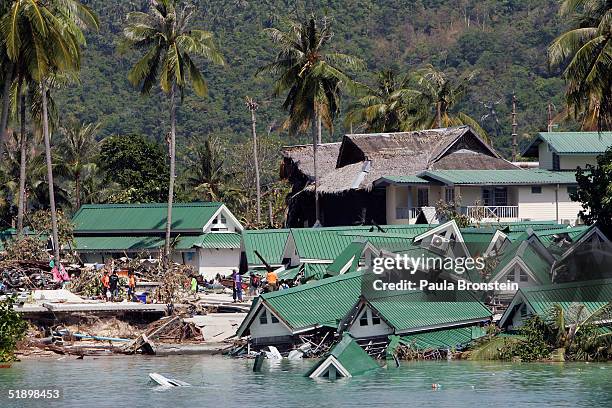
(12, 329)
(595, 193)
(138, 166)
(506, 41)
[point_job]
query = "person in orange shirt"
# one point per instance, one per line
(105, 285)
(272, 280)
(131, 286)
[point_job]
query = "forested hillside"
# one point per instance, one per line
(504, 40)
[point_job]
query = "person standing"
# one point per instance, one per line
(131, 293)
(236, 286)
(254, 284)
(113, 282)
(105, 285)
(194, 284)
(272, 279)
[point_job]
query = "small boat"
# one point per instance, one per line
(167, 382)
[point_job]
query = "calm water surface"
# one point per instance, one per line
(220, 382)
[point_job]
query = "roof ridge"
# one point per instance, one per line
(312, 285)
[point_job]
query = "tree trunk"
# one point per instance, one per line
(439, 114)
(171, 146)
(45, 118)
(256, 161)
(22, 164)
(5, 106)
(77, 190)
(316, 135)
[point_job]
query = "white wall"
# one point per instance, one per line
(267, 330)
(213, 261)
(544, 156)
(571, 162)
(371, 330)
(542, 207)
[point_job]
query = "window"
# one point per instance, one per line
(555, 162)
(189, 256)
(375, 319)
(222, 219)
(273, 318)
(449, 194)
(536, 189)
(572, 190)
(422, 197)
(263, 317)
(363, 320)
(523, 311)
(501, 196)
(486, 196)
(510, 276)
(523, 277)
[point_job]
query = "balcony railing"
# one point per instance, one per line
(409, 213)
(478, 212)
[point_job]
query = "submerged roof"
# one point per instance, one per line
(316, 303)
(571, 143)
(498, 177)
(352, 358)
(443, 339)
(593, 294)
(134, 218)
(413, 311)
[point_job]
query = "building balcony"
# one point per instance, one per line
(491, 212)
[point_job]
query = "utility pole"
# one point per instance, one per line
(550, 118)
(514, 134)
(252, 106)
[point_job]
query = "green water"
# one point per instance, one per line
(219, 382)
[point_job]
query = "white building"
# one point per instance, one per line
(206, 235)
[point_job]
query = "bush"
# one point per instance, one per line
(12, 329)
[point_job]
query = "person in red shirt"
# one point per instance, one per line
(105, 285)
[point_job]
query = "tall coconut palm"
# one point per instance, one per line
(46, 37)
(385, 107)
(588, 48)
(170, 43)
(252, 106)
(312, 76)
(78, 147)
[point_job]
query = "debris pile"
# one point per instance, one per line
(169, 329)
(26, 275)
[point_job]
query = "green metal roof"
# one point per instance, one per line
(521, 249)
(571, 143)
(140, 243)
(348, 260)
(477, 240)
(417, 310)
(316, 303)
(592, 294)
(118, 243)
(350, 355)
(105, 218)
(328, 243)
(444, 339)
(217, 240)
(400, 180)
(501, 177)
(575, 233)
(270, 243)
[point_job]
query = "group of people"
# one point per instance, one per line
(110, 285)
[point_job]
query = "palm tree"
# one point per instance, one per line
(47, 37)
(312, 76)
(252, 106)
(205, 166)
(170, 43)
(78, 147)
(385, 107)
(588, 47)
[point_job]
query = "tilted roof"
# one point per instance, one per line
(443, 339)
(135, 218)
(270, 243)
(413, 311)
(571, 143)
